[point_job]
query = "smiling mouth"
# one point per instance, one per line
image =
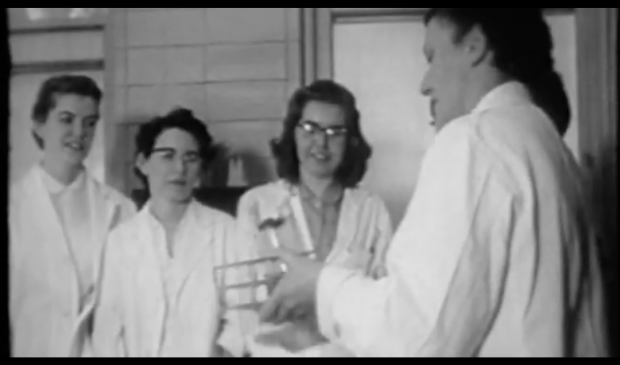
(320, 157)
(77, 147)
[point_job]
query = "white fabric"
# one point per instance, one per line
(75, 218)
(44, 297)
(144, 314)
(363, 233)
(494, 255)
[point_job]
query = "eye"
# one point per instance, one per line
(167, 156)
(192, 157)
(336, 131)
(66, 119)
(91, 123)
(308, 128)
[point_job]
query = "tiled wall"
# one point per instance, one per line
(234, 67)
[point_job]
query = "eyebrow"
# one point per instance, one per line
(70, 113)
(318, 124)
(171, 149)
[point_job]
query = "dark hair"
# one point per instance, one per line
(61, 85)
(523, 46)
(357, 151)
(179, 118)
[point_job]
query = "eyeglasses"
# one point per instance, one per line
(169, 154)
(313, 129)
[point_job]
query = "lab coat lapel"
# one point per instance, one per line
(104, 213)
(149, 290)
(45, 219)
(348, 231)
(199, 238)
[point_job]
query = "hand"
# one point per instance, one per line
(295, 293)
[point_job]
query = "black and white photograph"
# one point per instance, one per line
(312, 182)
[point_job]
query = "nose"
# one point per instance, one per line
(78, 129)
(180, 166)
(321, 138)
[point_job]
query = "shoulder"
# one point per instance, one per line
(212, 217)
(23, 184)
(369, 204)
(363, 196)
(111, 194)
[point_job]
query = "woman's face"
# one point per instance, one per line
(320, 137)
(69, 129)
(173, 169)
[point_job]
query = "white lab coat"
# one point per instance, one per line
(363, 233)
(44, 293)
(493, 257)
(131, 316)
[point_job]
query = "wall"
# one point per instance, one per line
(235, 68)
(41, 48)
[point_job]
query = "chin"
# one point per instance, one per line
(181, 197)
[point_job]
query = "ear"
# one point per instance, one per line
(142, 164)
(37, 131)
(476, 46)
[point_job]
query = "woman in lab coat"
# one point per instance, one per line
(322, 156)
(59, 219)
(160, 296)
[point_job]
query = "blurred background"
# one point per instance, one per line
(237, 67)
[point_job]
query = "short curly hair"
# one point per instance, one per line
(357, 150)
(61, 85)
(179, 118)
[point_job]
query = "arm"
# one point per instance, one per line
(446, 265)
(107, 338)
(14, 259)
(382, 242)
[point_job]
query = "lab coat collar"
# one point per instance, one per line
(54, 186)
(197, 220)
(190, 217)
(508, 93)
(347, 220)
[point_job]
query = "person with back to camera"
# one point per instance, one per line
(496, 255)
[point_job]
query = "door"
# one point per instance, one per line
(377, 54)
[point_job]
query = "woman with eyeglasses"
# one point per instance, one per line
(160, 294)
(317, 205)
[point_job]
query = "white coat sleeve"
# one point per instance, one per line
(382, 243)
(108, 336)
(446, 264)
(14, 262)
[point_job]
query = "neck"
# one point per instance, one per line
(63, 173)
(167, 212)
(320, 187)
(481, 83)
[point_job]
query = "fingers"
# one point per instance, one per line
(276, 308)
(289, 257)
(269, 309)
